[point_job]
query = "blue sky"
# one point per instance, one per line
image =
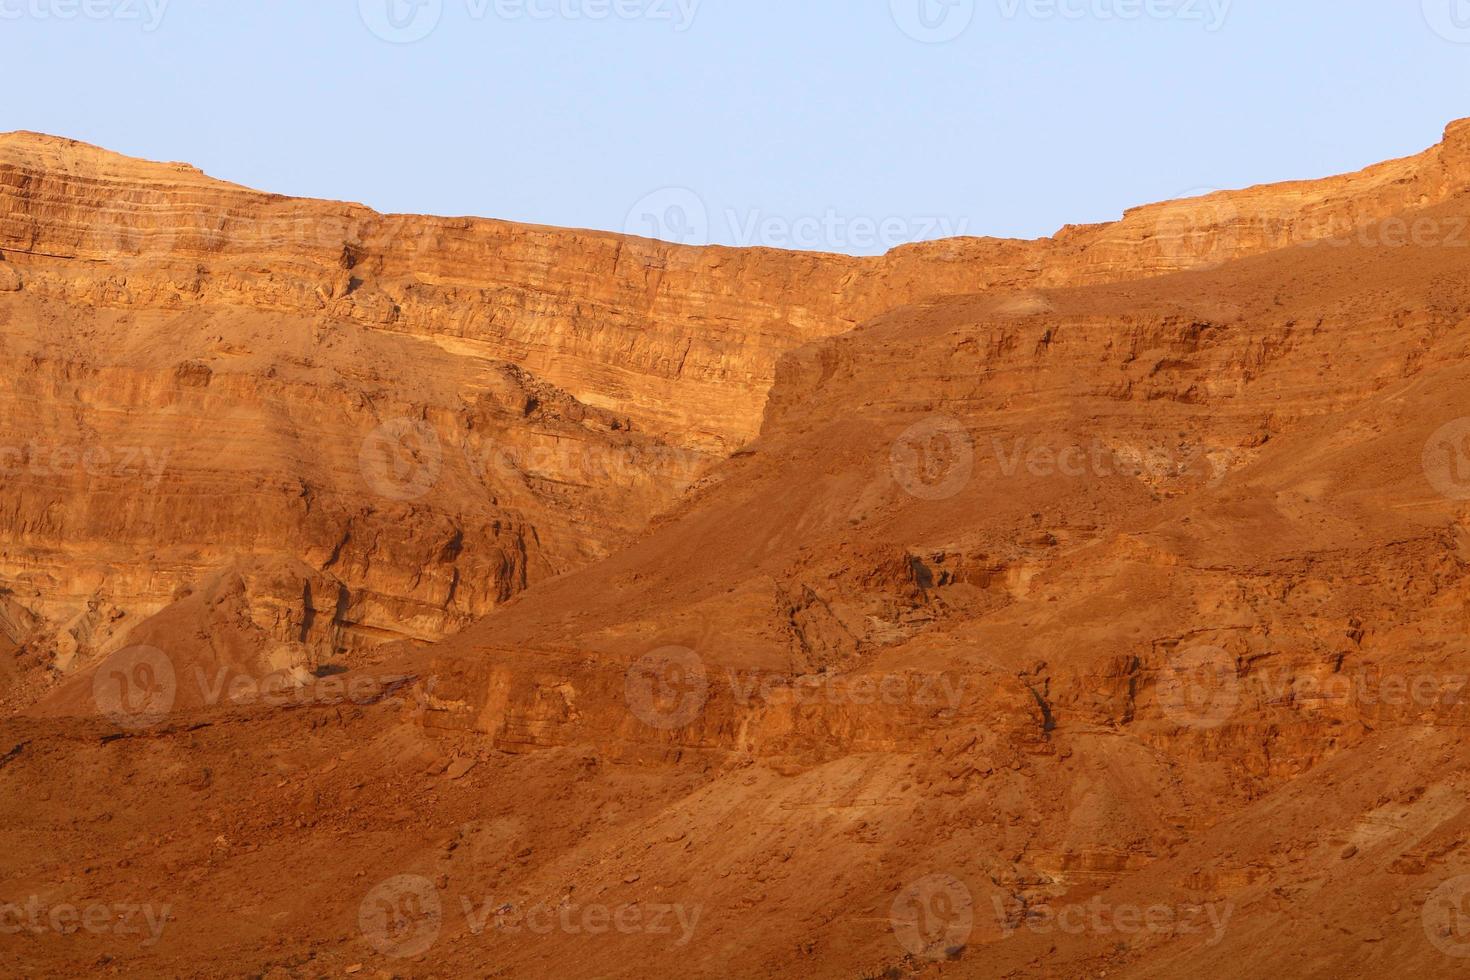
(846, 125)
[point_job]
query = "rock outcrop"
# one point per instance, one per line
(868, 617)
(439, 411)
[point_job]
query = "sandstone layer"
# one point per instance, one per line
(437, 412)
(925, 597)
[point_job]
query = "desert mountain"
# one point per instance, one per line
(866, 615)
(435, 413)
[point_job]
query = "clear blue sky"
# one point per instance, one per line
(1038, 113)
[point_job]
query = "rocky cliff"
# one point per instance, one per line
(1089, 606)
(437, 412)
(1093, 601)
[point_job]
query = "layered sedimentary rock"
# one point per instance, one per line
(1134, 605)
(684, 340)
(1114, 579)
(201, 371)
(145, 450)
(966, 461)
(1119, 572)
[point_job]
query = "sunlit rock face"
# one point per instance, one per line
(500, 568)
(438, 412)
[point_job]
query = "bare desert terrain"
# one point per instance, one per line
(402, 596)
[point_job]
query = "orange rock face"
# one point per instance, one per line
(204, 371)
(584, 605)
